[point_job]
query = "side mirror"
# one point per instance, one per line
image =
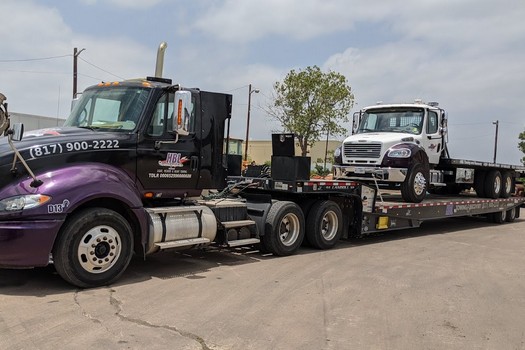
(17, 132)
(355, 122)
(182, 112)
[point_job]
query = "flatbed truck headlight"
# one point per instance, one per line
(27, 201)
(399, 153)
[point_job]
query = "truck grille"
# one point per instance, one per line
(362, 150)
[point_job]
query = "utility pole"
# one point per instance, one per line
(250, 91)
(496, 139)
(75, 56)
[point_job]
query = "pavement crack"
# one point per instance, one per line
(87, 314)
(117, 304)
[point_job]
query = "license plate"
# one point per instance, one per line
(359, 170)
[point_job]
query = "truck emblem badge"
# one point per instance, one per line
(58, 208)
(173, 160)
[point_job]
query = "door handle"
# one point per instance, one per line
(194, 163)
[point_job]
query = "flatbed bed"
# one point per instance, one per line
(385, 210)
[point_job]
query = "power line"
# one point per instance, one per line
(35, 59)
(91, 64)
(32, 71)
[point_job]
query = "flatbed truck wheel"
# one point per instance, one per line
(324, 225)
(492, 184)
(414, 188)
(479, 183)
(507, 181)
(284, 228)
(94, 248)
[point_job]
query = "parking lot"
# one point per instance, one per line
(451, 284)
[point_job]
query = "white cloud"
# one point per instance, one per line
(466, 54)
(476, 74)
(133, 4)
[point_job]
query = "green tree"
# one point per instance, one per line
(311, 103)
(521, 145)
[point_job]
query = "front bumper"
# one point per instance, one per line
(27, 243)
(352, 172)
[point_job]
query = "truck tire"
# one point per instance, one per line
(479, 183)
(507, 184)
(324, 225)
(284, 228)
(511, 214)
(492, 184)
(94, 248)
(498, 217)
(414, 188)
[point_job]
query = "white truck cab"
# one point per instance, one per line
(392, 142)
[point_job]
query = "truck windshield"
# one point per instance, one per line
(115, 107)
(392, 120)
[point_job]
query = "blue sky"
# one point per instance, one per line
(466, 54)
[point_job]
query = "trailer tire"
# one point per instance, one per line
(511, 214)
(413, 189)
(479, 183)
(507, 184)
(324, 225)
(492, 184)
(498, 217)
(284, 228)
(94, 248)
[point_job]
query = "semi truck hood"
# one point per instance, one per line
(47, 149)
(386, 138)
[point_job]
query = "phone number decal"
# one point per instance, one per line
(76, 146)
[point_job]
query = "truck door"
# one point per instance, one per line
(167, 162)
(433, 143)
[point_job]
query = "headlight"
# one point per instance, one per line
(399, 153)
(337, 152)
(23, 202)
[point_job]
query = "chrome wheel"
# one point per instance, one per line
(329, 225)
(289, 229)
(99, 249)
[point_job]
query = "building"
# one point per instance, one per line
(35, 122)
(260, 151)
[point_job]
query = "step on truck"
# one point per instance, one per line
(404, 146)
(141, 166)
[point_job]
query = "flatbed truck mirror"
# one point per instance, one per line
(182, 112)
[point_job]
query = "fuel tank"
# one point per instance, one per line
(170, 224)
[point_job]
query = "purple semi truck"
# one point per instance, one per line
(125, 175)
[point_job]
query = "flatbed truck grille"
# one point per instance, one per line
(362, 150)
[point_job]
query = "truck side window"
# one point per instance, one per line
(158, 119)
(432, 126)
(163, 116)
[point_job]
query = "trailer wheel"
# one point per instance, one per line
(94, 248)
(511, 214)
(324, 225)
(479, 183)
(507, 188)
(499, 217)
(284, 228)
(492, 186)
(413, 189)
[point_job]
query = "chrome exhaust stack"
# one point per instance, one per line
(160, 59)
